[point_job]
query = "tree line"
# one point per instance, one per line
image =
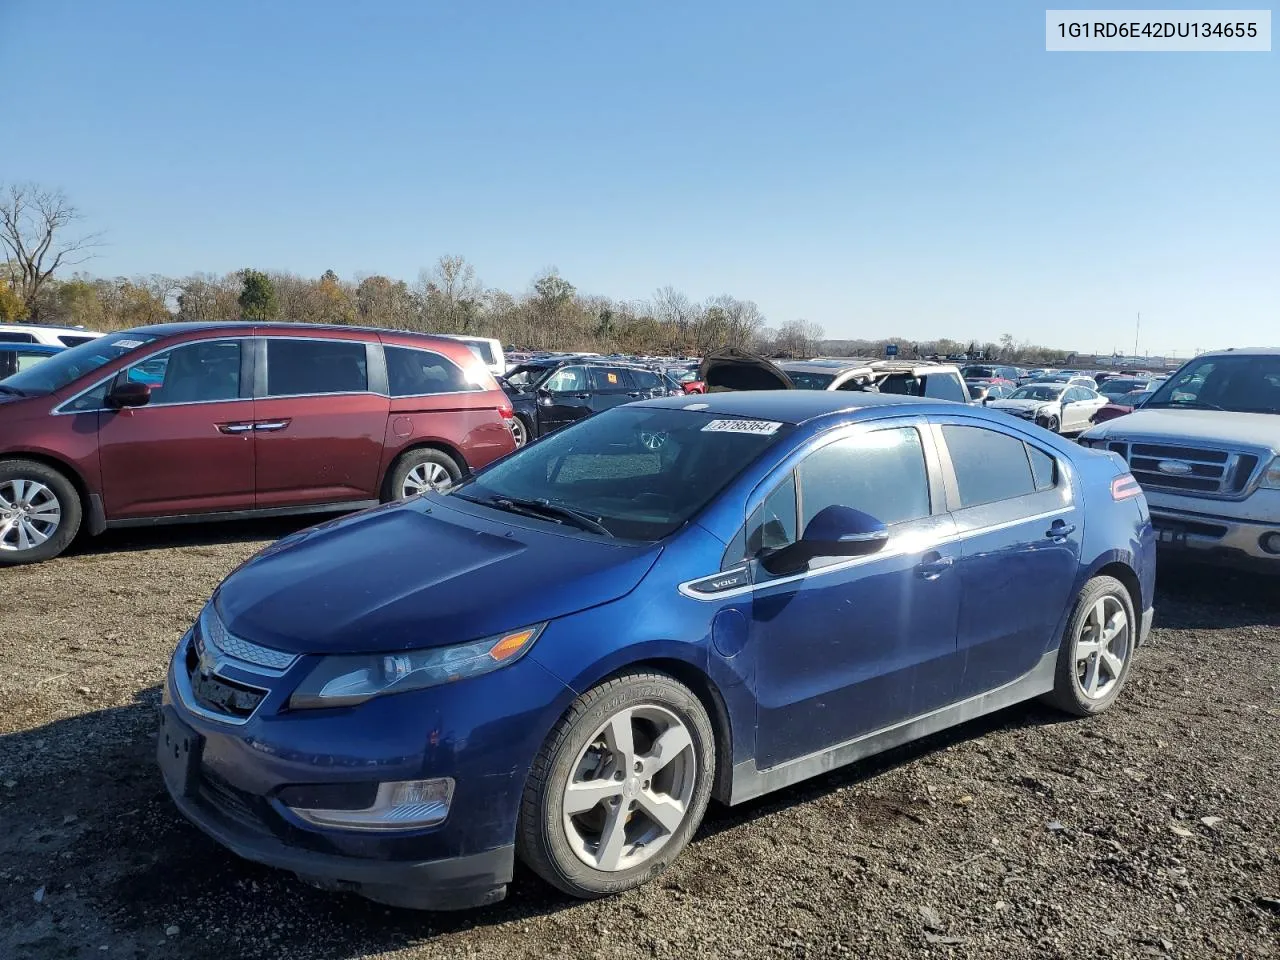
(38, 283)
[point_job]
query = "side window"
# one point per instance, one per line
(13, 336)
(882, 473)
(202, 372)
(610, 378)
(73, 341)
(943, 386)
(646, 380)
(416, 373)
(990, 466)
(298, 367)
(567, 380)
(901, 383)
(773, 524)
(95, 399)
(1044, 469)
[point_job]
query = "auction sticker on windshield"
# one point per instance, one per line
(741, 426)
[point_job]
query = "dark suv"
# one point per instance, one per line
(203, 421)
(553, 392)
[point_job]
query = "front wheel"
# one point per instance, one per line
(1097, 649)
(619, 787)
(1053, 424)
(519, 431)
(39, 512)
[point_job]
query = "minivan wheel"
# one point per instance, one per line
(420, 471)
(1097, 649)
(619, 787)
(39, 512)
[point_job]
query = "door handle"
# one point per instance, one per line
(269, 426)
(935, 566)
(582, 396)
(234, 428)
(635, 393)
(1060, 530)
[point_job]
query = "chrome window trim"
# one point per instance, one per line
(905, 549)
(59, 412)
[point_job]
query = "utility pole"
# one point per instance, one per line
(1136, 328)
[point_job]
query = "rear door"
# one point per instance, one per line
(190, 449)
(564, 397)
(1020, 527)
(320, 419)
(611, 387)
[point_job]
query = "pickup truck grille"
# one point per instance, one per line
(1196, 471)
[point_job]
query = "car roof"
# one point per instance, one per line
(818, 366)
(791, 406)
(1265, 351)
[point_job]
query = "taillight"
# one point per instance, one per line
(1125, 487)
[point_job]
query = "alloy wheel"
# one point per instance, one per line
(1101, 648)
(29, 514)
(519, 432)
(630, 788)
(426, 476)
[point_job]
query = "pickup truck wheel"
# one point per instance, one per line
(420, 471)
(40, 512)
(619, 787)
(1097, 649)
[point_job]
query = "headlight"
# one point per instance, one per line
(341, 681)
(1271, 477)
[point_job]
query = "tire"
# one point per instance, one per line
(521, 431)
(419, 470)
(1053, 425)
(1081, 662)
(580, 748)
(40, 512)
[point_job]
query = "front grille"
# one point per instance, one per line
(236, 701)
(1198, 471)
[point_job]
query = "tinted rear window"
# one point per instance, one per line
(483, 350)
(415, 373)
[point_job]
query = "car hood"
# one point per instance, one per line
(1021, 404)
(425, 573)
(738, 370)
(1207, 426)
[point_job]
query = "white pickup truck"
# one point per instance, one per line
(1204, 448)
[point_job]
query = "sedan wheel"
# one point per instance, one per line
(1102, 647)
(424, 477)
(29, 514)
(519, 432)
(630, 789)
(1052, 424)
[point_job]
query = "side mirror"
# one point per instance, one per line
(987, 399)
(544, 395)
(128, 394)
(835, 531)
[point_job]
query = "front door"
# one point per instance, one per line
(851, 646)
(564, 397)
(1020, 528)
(318, 429)
(190, 449)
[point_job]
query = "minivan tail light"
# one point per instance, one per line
(1125, 487)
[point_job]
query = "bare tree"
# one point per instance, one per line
(33, 232)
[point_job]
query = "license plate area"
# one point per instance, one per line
(178, 752)
(1171, 535)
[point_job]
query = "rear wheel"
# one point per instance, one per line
(421, 471)
(619, 787)
(1097, 649)
(39, 512)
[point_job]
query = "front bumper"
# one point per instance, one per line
(482, 733)
(1228, 541)
(455, 883)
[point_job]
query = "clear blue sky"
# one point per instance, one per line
(924, 170)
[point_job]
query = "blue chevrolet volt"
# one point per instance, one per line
(565, 657)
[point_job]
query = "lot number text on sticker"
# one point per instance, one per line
(741, 426)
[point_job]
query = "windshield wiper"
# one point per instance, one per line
(1199, 404)
(542, 509)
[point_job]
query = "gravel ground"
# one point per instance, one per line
(1151, 831)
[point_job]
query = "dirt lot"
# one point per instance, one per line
(1152, 831)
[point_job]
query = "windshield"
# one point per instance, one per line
(810, 381)
(526, 375)
(1044, 391)
(639, 472)
(1241, 383)
(1118, 388)
(70, 365)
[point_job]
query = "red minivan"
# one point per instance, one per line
(207, 421)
